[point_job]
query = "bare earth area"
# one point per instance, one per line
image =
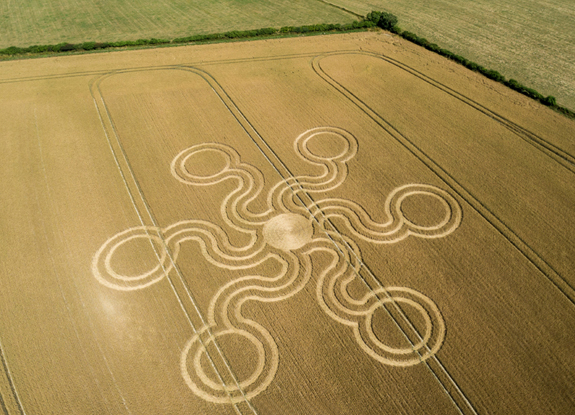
(343, 224)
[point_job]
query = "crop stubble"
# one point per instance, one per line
(75, 345)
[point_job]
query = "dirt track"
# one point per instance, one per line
(325, 225)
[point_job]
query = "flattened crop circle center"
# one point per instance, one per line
(327, 145)
(205, 163)
(288, 231)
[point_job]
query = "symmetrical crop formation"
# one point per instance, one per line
(290, 229)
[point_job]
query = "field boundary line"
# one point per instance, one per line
(148, 210)
(546, 269)
(453, 385)
(15, 52)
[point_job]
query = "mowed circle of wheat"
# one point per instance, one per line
(288, 231)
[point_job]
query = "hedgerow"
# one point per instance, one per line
(384, 20)
(235, 34)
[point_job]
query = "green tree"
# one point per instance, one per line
(386, 21)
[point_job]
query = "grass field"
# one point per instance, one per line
(32, 22)
(329, 225)
(532, 42)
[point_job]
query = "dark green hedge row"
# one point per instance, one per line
(69, 47)
(268, 31)
(228, 35)
(363, 24)
(388, 21)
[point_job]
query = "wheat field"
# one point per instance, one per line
(328, 225)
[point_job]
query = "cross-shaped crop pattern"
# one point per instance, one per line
(293, 226)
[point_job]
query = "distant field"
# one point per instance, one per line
(29, 22)
(533, 42)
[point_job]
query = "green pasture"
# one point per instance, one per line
(29, 22)
(527, 40)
